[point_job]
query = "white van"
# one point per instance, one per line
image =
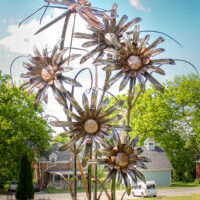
(145, 189)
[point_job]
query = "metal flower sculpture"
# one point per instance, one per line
(122, 160)
(46, 70)
(82, 7)
(134, 60)
(98, 37)
(91, 123)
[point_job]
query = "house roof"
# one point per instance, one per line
(159, 160)
(60, 155)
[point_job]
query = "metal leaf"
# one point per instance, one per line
(59, 86)
(59, 96)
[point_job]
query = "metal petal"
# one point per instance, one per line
(115, 78)
(155, 43)
(122, 21)
(60, 123)
(109, 176)
(71, 81)
(163, 61)
(45, 94)
(74, 102)
(83, 35)
(119, 178)
(89, 55)
(115, 118)
(94, 99)
(59, 86)
(136, 33)
(59, 96)
(114, 107)
(141, 82)
(155, 52)
(65, 14)
(142, 46)
(127, 183)
(68, 144)
(37, 98)
(90, 44)
(111, 51)
(154, 82)
(110, 37)
(152, 68)
(72, 115)
(112, 67)
(133, 177)
(67, 59)
(130, 24)
(85, 102)
(116, 138)
(124, 82)
(140, 175)
(144, 159)
(25, 85)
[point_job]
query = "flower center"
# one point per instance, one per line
(47, 73)
(91, 126)
(121, 160)
(134, 62)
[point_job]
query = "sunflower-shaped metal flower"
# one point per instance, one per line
(82, 7)
(122, 160)
(98, 37)
(45, 70)
(91, 123)
(133, 60)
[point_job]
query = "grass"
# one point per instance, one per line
(190, 197)
(175, 185)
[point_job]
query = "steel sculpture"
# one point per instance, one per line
(95, 133)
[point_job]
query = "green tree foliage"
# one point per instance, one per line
(19, 123)
(25, 188)
(172, 119)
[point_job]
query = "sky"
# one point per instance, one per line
(178, 18)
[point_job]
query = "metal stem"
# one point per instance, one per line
(113, 187)
(90, 178)
(74, 175)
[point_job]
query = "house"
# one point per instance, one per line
(53, 163)
(159, 169)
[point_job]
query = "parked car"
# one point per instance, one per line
(13, 186)
(145, 189)
(36, 187)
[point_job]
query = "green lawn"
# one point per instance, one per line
(181, 185)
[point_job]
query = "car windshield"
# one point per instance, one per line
(151, 186)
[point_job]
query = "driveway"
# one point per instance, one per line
(82, 196)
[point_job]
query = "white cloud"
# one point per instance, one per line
(137, 4)
(22, 40)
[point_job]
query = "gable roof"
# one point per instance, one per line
(159, 160)
(62, 156)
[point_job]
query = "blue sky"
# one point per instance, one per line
(178, 18)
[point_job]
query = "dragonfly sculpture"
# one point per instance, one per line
(90, 14)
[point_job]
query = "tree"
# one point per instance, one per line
(172, 119)
(25, 188)
(19, 124)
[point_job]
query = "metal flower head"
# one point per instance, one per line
(90, 14)
(122, 160)
(133, 60)
(45, 70)
(91, 123)
(98, 37)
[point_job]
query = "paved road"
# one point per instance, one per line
(81, 196)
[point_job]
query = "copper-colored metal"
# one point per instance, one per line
(91, 126)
